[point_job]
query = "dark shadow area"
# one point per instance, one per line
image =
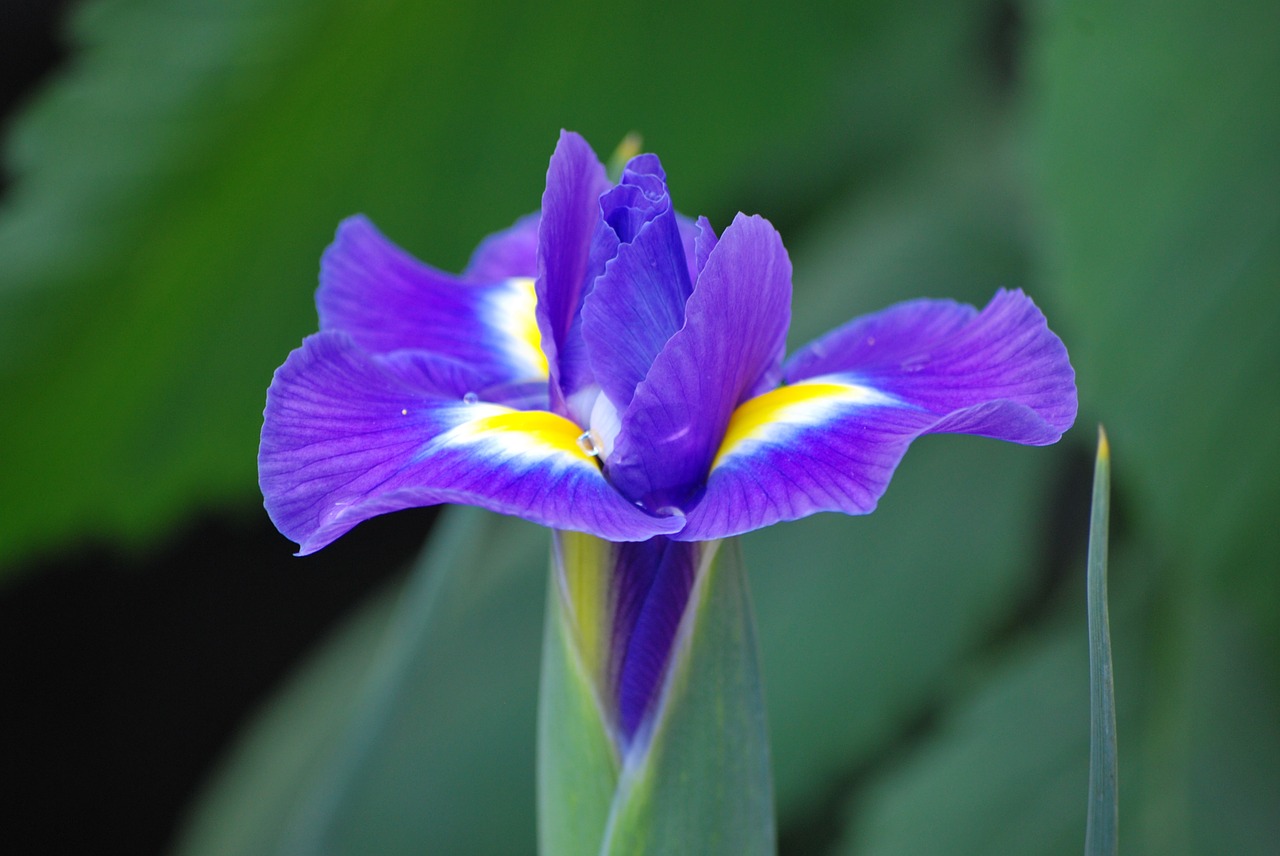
(30, 48)
(124, 678)
(125, 674)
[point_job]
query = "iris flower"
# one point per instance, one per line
(608, 366)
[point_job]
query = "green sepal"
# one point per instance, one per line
(704, 783)
(700, 782)
(577, 760)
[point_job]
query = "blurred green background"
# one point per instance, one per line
(173, 181)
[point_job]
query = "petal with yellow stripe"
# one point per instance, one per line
(831, 439)
(349, 435)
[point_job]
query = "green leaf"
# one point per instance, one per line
(413, 729)
(700, 782)
(921, 583)
(1004, 766)
(1155, 144)
(703, 785)
(1155, 140)
(1230, 765)
(1004, 771)
(578, 762)
(1102, 831)
(175, 187)
(864, 621)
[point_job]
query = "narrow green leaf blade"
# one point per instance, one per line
(1101, 836)
(704, 784)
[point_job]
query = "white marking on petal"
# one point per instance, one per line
(777, 416)
(606, 425)
(512, 310)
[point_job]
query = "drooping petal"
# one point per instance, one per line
(638, 303)
(831, 440)
(348, 435)
(938, 353)
(387, 300)
(570, 213)
(510, 253)
(732, 341)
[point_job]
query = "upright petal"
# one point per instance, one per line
(734, 334)
(348, 435)
(702, 243)
(638, 303)
(640, 195)
(509, 253)
(831, 440)
(387, 300)
(570, 213)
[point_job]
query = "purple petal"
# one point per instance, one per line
(640, 195)
(637, 305)
(734, 333)
(387, 300)
(348, 435)
(945, 356)
(651, 584)
(570, 213)
(831, 441)
(509, 253)
(704, 242)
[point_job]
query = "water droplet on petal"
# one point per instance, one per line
(605, 426)
(470, 398)
(587, 444)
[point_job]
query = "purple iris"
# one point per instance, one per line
(611, 367)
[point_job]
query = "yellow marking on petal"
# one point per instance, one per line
(517, 316)
(798, 403)
(531, 429)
